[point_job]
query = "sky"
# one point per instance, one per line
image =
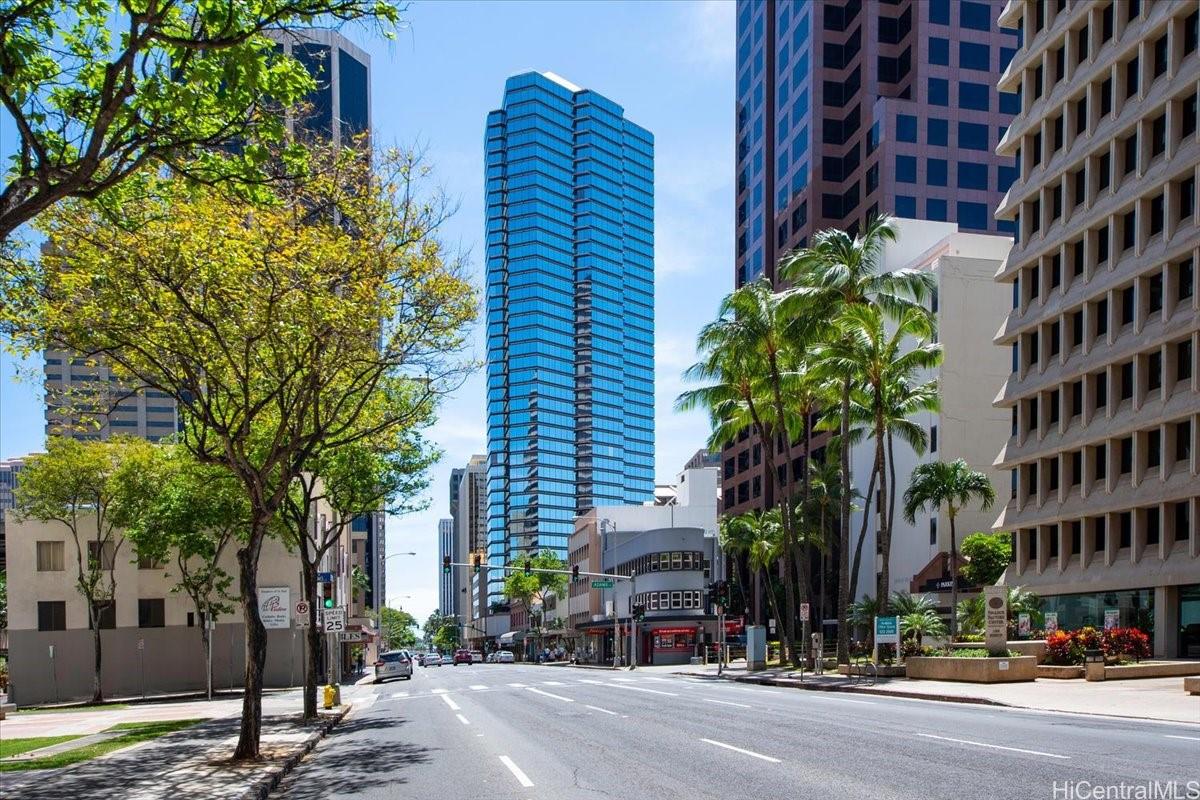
(670, 64)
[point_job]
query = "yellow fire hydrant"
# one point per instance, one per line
(330, 696)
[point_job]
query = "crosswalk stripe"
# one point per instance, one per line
(517, 685)
(553, 683)
(478, 686)
(400, 694)
(439, 691)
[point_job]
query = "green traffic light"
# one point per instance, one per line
(329, 602)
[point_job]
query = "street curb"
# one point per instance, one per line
(578, 666)
(792, 683)
(263, 786)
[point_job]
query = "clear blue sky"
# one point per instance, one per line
(670, 64)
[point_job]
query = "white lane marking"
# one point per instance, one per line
(602, 710)
(640, 689)
(462, 719)
(725, 703)
(994, 746)
(553, 683)
(821, 696)
(743, 752)
(399, 694)
(521, 777)
(450, 702)
(625, 680)
(660, 680)
(478, 687)
(548, 694)
(440, 691)
(517, 685)
(596, 683)
(1188, 738)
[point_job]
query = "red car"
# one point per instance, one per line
(462, 657)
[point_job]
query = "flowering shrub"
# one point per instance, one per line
(1068, 647)
(1125, 643)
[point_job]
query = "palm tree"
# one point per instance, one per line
(904, 603)
(747, 354)
(836, 272)
(889, 366)
(736, 536)
(825, 496)
(956, 486)
(920, 624)
(1020, 601)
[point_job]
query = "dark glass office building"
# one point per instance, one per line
(570, 314)
(847, 108)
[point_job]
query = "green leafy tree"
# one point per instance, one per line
(987, 555)
(953, 485)
(93, 489)
(98, 90)
(396, 627)
(279, 327)
(353, 479)
(919, 624)
(446, 638)
(839, 271)
(532, 590)
(434, 623)
(192, 517)
(970, 611)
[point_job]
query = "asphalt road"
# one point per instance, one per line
(515, 731)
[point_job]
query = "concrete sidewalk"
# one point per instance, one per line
(185, 765)
(1145, 698)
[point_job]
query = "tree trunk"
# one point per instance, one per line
(256, 643)
(758, 598)
(206, 641)
(804, 557)
(821, 573)
(313, 639)
(843, 647)
(891, 457)
(97, 689)
(953, 577)
(885, 531)
(862, 535)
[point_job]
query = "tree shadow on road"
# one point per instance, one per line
(358, 756)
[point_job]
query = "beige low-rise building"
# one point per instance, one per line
(150, 638)
(1104, 328)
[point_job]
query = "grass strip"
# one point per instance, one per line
(66, 709)
(134, 733)
(10, 747)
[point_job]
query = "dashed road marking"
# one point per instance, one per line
(450, 702)
(549, 694)
(640, 689)
(478, 687)
(742, 751)
(602, 710)
(462, 719)
(993, 746)
(521, 777)
(725, 703)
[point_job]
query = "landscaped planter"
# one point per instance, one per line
(1059, 671)
(1191, 685)
(1026, 647)
(972, 670)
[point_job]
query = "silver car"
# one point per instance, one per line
(396, 664)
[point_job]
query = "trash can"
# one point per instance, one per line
(1093, 665)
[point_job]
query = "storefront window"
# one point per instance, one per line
(1189, 621)
(1135, 609)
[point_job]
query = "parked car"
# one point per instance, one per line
(504, 657)
(462, 657)
(395, 664)
(476, 657)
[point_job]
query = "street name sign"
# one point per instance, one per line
(602, 584)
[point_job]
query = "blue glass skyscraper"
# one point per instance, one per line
(570, 314)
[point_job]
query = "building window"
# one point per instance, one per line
(102, 554)
(906, 206)
(106, 613)
(152, 613)
(972, 176)
(974, 56)
(972, 136)
(49, 556)
(939, 91)
(933, 530)
(935, 171)
(973, 96)
(906, 169)
(975, 16)
(939, 51)
(973, 215)
(937, 132)
(933, 438)
(52, 615)
(906, 128)
(150, 562)
(935, 209)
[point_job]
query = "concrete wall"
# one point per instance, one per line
(172, 656)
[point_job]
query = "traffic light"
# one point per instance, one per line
(475, 559)
(574, 572)
(639, 612)
(446, 565)
(528, 567)
(329, 602)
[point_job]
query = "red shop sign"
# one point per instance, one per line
(734, 625)
(673, 631)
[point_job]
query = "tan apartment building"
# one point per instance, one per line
(968, 305)
(151, 635)
(1103, 331)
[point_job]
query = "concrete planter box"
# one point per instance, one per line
(1059, 671)
(1191, 685)
(1026, 647)
(1152, 669)
(973, 670)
